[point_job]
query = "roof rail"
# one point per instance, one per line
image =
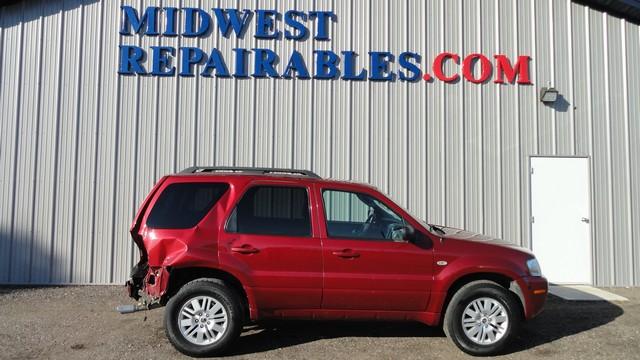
(207, 169)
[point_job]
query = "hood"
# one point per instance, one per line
(464, 235)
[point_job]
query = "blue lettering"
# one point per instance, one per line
(241, 70)
(265, 60)
(190, 56)
(349, 70)
(297, 64)
(130, 59)
(170, 14)
(225, 24)
(215, 62)
(290, 20)
(131, 19)
(323, 18)
(326, 64)
(162, 61)
(380, 66)
(265, 24)
(405, 63)
(205, 22)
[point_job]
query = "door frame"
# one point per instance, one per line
(591, 204)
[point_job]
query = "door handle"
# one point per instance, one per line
(585, 220)
(245, 249)
(346, 254)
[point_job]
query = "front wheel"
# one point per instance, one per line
(482, 318)
(203, 318)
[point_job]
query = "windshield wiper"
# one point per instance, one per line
(435, 228)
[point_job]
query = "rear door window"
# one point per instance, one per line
(183, 205)
(272, 210)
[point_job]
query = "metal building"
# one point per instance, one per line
(82, 141)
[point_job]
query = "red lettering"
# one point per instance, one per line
(437, 66)
(467, 68)
(520, 70)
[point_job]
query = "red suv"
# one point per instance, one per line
(221, 247)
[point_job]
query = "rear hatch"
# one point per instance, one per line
(134, 230)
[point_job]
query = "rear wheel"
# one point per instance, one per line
(482, 318)
(203, 318)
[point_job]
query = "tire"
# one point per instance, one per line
(487, 332)
(204, 333)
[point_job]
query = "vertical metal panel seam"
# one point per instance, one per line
(627, 152)
(176, 110)
(480, 132)
(571, 76)
(196, 106)
(331, 106)
(387, 187)
(443, 152)
(496, 27)
(407, 152)
(216, 102)
(2, 15)
(293, 107)
(462, 132)
(254, 91)
(426, 101)
(134, 157)
(605, 37)
(274, 90)
(114, 187)
(36, 142)
(636, 282)
(518, 129)
(17, 142)
(56, 148)
(96, 142)
(532, 14)
(156, 119)
(369, 37)
(552, 55)
(312, 103)
(74, 186)
(594, 223)
(350, 150)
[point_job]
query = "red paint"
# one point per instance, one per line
(320, 277)
(467, 68)
(519, 71)
(438, 63)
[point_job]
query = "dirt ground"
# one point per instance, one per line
(81, 323)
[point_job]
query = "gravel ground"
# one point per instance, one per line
(80, 323)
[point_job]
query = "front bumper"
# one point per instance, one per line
(533, 290)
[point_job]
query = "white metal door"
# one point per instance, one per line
(560, 222)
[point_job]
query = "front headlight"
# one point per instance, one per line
(534, 267)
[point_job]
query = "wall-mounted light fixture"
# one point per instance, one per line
(548, 95)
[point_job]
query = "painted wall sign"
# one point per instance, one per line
(296, 26)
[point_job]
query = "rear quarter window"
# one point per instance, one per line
(183, 205)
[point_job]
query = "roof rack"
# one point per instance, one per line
(208, 169)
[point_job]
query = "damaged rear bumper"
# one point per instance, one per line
(147, 282)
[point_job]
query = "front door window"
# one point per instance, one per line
(360, 216)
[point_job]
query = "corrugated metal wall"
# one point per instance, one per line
(81, 146)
